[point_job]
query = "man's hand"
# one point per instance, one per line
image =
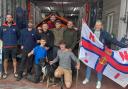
(78, 66)
(38, 41)
(47, 48)
(50, 62)
(29, 54)
(22, 47)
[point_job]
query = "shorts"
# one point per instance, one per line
(9, 52)
(67, 73)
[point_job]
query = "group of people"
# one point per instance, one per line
(39, 45)
(43, 44)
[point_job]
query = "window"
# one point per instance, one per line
(110, 22)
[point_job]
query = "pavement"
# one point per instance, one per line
(11, 83)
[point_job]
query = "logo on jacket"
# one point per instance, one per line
(5, 29)
(14, 29)
(32, 34)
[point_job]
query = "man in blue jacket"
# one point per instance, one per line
(28, 41)
(9, 35)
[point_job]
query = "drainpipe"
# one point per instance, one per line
(126, 15)
(124, 19)
(29, 10)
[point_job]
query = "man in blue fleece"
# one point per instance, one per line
(9, 34)
(28, 41)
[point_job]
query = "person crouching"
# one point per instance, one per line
(64, 56)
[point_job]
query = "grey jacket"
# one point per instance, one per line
(65, 58)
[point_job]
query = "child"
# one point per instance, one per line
(40, 54)
(65, 56)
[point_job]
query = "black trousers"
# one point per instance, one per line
(37, 74)
(55, 50)
(25, 63)
(37, 68)
(50, 54)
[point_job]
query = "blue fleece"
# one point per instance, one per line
(40, 53)
(28, 39)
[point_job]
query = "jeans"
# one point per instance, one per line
(88, 74)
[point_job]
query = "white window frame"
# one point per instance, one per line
(110, 19)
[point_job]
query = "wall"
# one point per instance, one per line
(9, 7)
(112, 6)
(122, 24)
(35, 14)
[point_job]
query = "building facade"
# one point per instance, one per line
(9, 7)
(115, 17)
(35, 13)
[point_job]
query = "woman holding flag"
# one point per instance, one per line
(106, 39)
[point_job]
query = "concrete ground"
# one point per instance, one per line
(11, 83)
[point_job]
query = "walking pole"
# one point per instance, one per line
(77, 76)
(77, 72)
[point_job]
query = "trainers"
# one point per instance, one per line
(24, 73)
(98, 85)
(5, 75)
(15, 75)
(18, 78)
(85, 81)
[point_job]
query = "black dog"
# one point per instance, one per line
(48, 72)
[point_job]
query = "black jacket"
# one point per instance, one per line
(49, 36)
(70, 37)
(107, 39)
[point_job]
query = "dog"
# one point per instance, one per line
(48, 72)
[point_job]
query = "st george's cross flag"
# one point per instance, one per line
(113, 64)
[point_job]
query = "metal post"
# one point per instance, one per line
(0, 12)
(126, 16)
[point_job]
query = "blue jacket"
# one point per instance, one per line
(9, 35)
(28, 39)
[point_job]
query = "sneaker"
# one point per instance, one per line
(24, 73)
(5, 75)
(15, 75)
(32, 79)
(85, 81)
(18, 78)
(98, 85)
